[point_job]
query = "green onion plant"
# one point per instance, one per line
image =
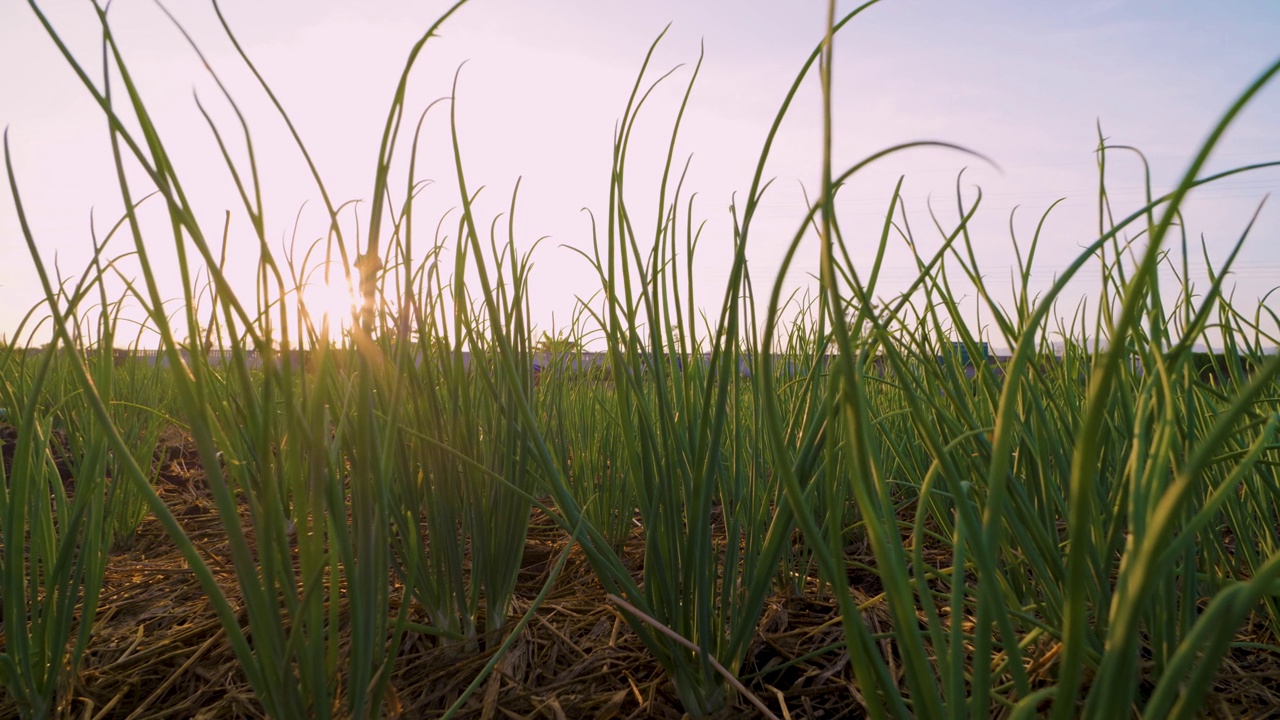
(1078, 526)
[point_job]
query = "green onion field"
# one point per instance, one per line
(847, 502)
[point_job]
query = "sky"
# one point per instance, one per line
(541, 86)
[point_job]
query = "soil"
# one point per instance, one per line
(158, 650)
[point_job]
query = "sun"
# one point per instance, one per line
(328, 303)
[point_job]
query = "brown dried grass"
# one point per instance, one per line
(159, 653)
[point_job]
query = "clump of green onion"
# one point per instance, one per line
(1036, 522)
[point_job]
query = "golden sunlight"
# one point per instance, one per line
(328, 303)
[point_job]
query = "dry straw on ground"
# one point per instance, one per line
(159, 653)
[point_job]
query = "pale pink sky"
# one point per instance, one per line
(545, 81)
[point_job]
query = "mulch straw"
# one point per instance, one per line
(159, 652)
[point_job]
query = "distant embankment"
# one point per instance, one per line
(1211, 367)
